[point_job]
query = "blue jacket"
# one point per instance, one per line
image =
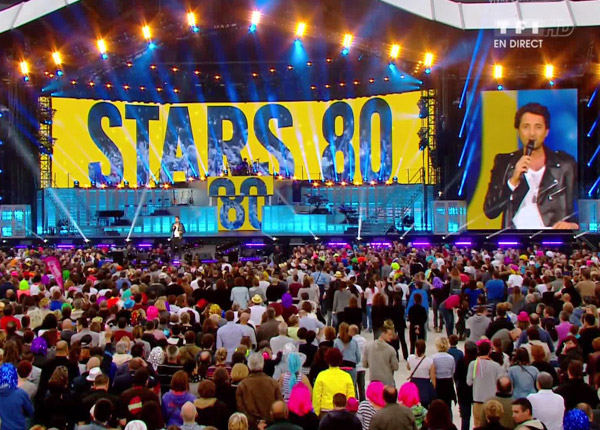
(15, 406)
(171, 407)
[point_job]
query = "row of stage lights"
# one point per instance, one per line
(498, 73)
(279, 177)
(301, 27)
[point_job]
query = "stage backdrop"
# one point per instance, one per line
(359, 139)
(494, 128)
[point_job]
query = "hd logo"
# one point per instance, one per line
(240, 200)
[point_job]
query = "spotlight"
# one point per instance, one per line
(347, 42)
(551, 82)
(498, 71)
(395, 51)
(300, 29)
(372, 182)
(423, 108)
(500, 87)
(309, 63)
(126, 184)
(102, 49)
(254, 20)
(428, 60)
(371, 80)
(24, 68)
(191, 18)
(423, 138)
(549, 72)
(75, 184)
(59, 73)
(395, 179)
(147, 33)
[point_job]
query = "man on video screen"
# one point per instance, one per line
(535, 191)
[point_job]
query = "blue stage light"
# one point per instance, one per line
(104, 56)
(500, 87)
(151, 45)
(551, 83)
(252, 28)
(392, 66)
(59, 73)
(26, 78)
(428, 70)
(345, 51)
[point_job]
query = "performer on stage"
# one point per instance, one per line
(534, 188)
(177, 232)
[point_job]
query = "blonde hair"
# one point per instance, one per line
(442, 344)
(237, 421)
(221, 355)
(239, 371)
(493, 409)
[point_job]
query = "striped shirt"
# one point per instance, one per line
(365, 413)
(444, 365)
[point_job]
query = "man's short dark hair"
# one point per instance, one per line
(534, 108)
(390, 394)
(140, 377)
(589, 319)
(524, 403)
(339, 400)
(103, 410)
(575, 369)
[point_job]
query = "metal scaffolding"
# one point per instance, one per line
(45, 115)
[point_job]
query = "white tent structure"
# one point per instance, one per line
(505, 15)
(27, 11)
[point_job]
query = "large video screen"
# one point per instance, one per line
(351, 140)
(523, 175)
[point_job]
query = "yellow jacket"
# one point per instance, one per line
(328, 383)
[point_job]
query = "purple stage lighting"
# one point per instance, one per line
(380, 244)
(254, 245)
(421, 243)
(508, 243)
(336, 244)
(145, 245)
(552, 242)
(250, 259)
(463, 243)
(65, 246)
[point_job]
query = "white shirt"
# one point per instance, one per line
(423, 370)
(549, 408)
(515, 280)
(528, 215)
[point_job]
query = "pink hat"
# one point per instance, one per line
(522, 316)
(14, 273)
(375, 393)
(352, 405)
(151, 313)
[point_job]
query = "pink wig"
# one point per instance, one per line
(375, 393)
(409, 395)
(300, 401)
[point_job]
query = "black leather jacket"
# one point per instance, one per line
(557, 189)
(181, 229)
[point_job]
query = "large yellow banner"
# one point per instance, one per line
(354, 140)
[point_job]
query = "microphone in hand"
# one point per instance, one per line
(529, 147)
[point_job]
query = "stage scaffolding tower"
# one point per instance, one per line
(45, 115)
(431, 163)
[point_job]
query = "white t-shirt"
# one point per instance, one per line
(515, 280)
(528, 215)
(423, 370)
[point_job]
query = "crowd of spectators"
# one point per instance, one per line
(309, 338)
